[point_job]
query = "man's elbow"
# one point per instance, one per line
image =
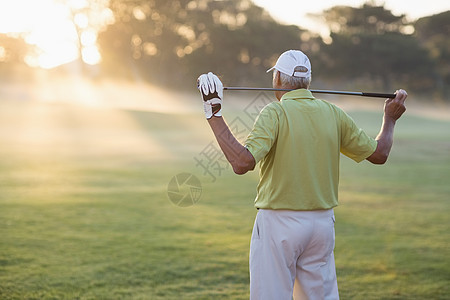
(378, 158)
(245, 164)
(381, 153)
(240, 171)
(242, 168)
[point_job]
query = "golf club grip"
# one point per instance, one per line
(378, 95)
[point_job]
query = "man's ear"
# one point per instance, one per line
(276, 78)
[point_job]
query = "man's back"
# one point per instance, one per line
(298, 141)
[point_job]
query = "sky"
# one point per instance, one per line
(295, 11)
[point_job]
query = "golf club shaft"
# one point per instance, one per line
(363, 94)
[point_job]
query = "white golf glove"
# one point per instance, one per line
(211, 89)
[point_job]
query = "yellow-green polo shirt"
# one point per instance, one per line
(298, 142)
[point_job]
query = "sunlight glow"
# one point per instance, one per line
(88, 38)
(91, 55)
(2, 54)
(58, 29)
(81, 20)
(78, 4)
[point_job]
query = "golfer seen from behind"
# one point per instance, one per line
(297, 141)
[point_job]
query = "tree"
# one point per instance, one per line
(88, 18)
(433, 33)
(368, 19)
(175, 41)
(368, 44)
(13, 52)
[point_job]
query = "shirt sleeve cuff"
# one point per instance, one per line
(253, 152)
(372, 147)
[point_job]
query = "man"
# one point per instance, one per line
(298, 141)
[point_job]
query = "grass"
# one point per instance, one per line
(396, 217)
(84, 211)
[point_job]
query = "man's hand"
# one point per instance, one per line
(394, 108)
(211, 89)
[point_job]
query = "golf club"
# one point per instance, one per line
(363, 94)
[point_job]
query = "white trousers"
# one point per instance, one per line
(291, 255)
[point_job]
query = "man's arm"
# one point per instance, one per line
(239, 157)
(393, 110)
(211, 89)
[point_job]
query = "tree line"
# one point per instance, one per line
(167, 42)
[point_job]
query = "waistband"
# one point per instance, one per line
(298, 213)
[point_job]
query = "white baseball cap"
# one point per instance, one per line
(292, 63)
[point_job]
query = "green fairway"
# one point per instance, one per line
(85, 214)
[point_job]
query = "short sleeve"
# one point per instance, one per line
(264, 133)
(355, 143)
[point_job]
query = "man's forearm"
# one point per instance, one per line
(386, 136)
(239, 157)
(385, 139)
(393, 110)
